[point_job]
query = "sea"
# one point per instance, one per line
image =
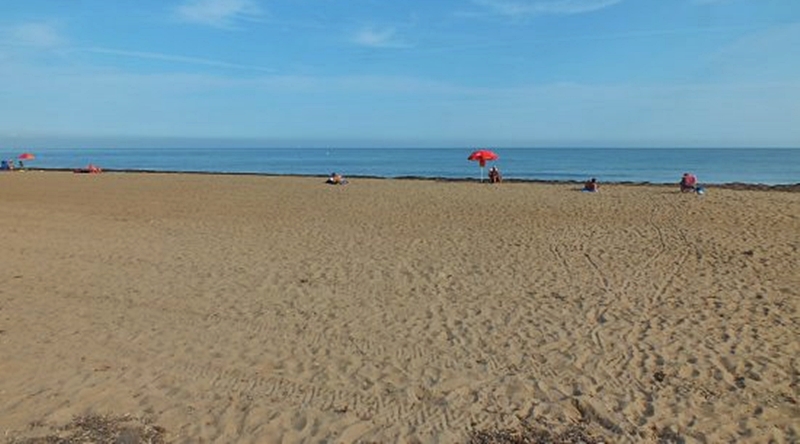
(768, 166)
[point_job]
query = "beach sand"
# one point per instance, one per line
(255, 309)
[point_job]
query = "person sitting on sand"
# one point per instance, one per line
(591, 185)
(688, 182)
(336, 179)
(494, 175)
(5, 165)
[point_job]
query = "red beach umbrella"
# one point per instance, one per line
(481, 156)
(26, 156)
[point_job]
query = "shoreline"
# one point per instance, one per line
(788, 187)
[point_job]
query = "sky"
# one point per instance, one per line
(400, 73)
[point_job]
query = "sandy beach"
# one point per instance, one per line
(255, 309)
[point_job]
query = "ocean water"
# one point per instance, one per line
(712, 165)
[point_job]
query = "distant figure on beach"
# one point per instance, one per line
(494, 175)
(591, 185)
(6, 165)
(688, 182)
(336, 179)
(90, 169)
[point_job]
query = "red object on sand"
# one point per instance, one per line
(481, 156)
(26, 156)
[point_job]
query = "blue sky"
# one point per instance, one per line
(400, 73)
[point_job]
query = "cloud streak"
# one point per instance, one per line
(764, 55)
(520, 8)
(174, 58)
(35, 35)
(379, 38)
(224, 14)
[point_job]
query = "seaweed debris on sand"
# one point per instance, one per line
(95, 428)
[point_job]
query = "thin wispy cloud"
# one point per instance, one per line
(767, 54)
(630, 35)
(174, 59)
(653, 33)
(219, 13)
(36, 35)
(379, 38)
(520, 8)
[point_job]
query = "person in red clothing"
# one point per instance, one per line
(688, 182)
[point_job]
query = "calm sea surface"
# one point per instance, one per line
(717, 165)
